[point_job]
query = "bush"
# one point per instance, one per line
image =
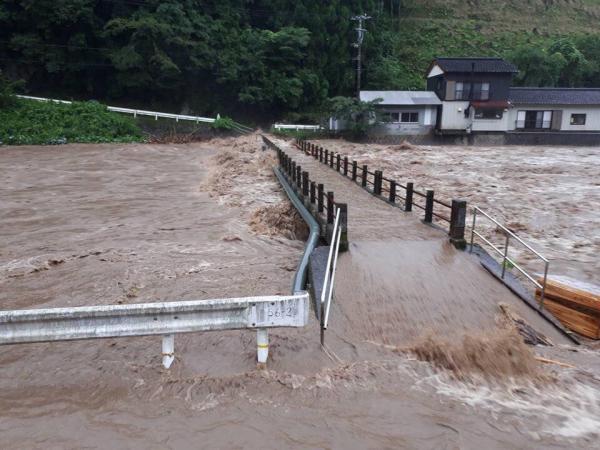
(223, 123)
(7, 88)
(32, 122)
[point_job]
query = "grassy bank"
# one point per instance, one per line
(31, 122)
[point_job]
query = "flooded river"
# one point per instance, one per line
(104, 224)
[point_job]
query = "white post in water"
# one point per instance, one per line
(262, 345)
(168, 350)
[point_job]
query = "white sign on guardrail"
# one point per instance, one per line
(165, 318)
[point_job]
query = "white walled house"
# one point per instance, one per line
(554, 109)
(404, 112)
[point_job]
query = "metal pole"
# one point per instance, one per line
(473, 229)
(544, 284)
(262, 345)
(505, 255)
(168, 350)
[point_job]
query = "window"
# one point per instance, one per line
(410, 117)
(481, 91)
(390, 117)
(488, 113)
(578, 119)
(534, 119)
(462, 91)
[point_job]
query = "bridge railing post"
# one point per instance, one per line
(377, 182)
(458, 217)
(345, 166)
(326, 156)
(294, 171)
(331, 159)
(429, 207)
(320, 154)
(320, 197)
(409, 197)
(392, 191)
(313, 192)
(364, 175)
(337, 162)
(305, 184)
(330, 202)
(299, 176)
(354, 170)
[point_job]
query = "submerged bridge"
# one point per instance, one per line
(405, 270)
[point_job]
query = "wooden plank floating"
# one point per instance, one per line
(577, 309)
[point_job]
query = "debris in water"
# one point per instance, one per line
(279, 220)
(500, 353)
(530, 335)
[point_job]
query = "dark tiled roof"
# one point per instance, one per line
(496, 65)
(555, 96)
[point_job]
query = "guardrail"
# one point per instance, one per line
(140, 112)
(506, 260)
(404, 196)
(283, 126)
(320, 203)
(166, 318)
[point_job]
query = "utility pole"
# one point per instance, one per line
(360, 34)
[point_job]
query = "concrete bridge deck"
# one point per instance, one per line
(402, 278)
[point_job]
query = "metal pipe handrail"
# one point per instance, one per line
(475, 208)
(504, 253)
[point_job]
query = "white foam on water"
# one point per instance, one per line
(564, 409)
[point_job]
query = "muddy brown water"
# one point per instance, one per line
(94, 224)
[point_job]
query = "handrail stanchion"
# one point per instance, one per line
(505, 256)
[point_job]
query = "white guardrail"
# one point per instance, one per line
(243, 129)
(166, 319)
(135, 112)
(282, 126)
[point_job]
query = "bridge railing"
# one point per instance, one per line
(319, 202)
(405, 196)
(503, 250)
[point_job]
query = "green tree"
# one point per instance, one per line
(577, 67)
(358, 116)
(537, 67)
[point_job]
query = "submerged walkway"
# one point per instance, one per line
(402, 278)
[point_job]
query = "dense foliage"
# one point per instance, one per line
(33, 122)
(273, 57)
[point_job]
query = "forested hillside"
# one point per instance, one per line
(276, 58)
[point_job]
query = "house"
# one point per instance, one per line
(471, 100)
(404, 112)
(474, 93)
(554, 109)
